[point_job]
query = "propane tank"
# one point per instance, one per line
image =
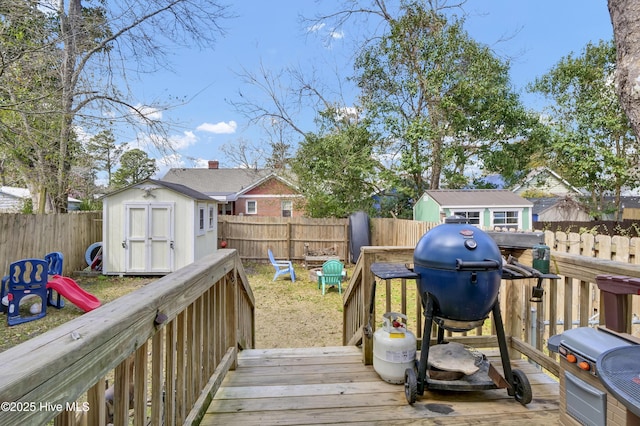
(394, 348)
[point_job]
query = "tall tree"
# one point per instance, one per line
(440, 100)
(335, 169)
(135, 166)
(28, 82)
(105, 153)
(593, 143)
(244, 154)
(625, 17)
(94, 47)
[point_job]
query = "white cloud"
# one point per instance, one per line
(219, 128)
(183, 141)
(167, 162)
(336, 35)
(149, 112)
(82, 134)
(350, 113)
(200, 162)
(315, 28)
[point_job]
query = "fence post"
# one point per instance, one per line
(289, 251)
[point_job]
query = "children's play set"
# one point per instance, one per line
(39, 282)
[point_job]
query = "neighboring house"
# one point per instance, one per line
(12, 200)
(547, 181)
(630, 207)
(155, 227)
(559, 201)
(489, 209)
(255, 192)
(559, 209)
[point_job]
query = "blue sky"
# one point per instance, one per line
(534, 34)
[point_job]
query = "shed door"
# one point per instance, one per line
(149, 238)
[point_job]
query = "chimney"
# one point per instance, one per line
(213, 164)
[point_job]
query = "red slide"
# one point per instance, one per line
(70, 289)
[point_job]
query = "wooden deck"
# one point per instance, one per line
(330, 385)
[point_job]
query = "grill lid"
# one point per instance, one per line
(451, 246)
(590, 342)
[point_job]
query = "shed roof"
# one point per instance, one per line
(176, 187)
(477, 198)
(542, 204)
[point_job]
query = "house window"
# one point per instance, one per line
(472, 217)
(252, 207)
(201, 218)
(287, 208)
(507, 219)
(224, 209)
(212, 217)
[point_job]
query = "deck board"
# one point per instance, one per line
(332, 386)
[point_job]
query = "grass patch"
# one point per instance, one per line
(105, 288)
(288, 314)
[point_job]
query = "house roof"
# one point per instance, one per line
(479, 198)
(222, 184)
(15, 192)
(24, 193)
(533, 174)
(543, 203)
(176, 187)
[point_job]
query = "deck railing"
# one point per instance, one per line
(568, 302)
(170, 343)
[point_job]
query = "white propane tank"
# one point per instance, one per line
(394, 349)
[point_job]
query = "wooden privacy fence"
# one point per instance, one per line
(579, 292)
(170, 343)
(34, 235)
(252, 236)
(397, 232)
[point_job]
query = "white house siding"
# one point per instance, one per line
(10, 204)
(207, 243)
(545, 183)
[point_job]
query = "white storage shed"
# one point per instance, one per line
(156, 227)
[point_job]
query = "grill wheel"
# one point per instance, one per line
(521, 387)
(410, 385)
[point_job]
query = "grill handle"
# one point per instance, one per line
(488, 264)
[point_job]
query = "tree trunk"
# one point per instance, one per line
(625, 17)
(70, 28)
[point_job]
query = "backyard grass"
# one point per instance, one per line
(106, 289)
(288, 314)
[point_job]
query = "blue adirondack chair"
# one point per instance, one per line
(332, 274)
(282, 267)
(27, 277)
(54, 260)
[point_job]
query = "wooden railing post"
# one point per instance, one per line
(367, 290)
(231, 310)
(512, 312)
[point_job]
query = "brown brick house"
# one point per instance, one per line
(250, 192)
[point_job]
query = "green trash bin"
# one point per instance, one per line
(541, 258)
